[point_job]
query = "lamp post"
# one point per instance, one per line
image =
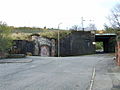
(59, 39)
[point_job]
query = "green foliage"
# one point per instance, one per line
(99, 45)
(54, 34)
(5, 40)
(27, 28)
(20, 36)
(49, 34)
(23, 33)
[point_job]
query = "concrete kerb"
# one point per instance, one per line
(22, 60)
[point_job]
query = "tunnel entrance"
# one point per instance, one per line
(107, 42)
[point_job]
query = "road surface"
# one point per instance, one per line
(53, 73)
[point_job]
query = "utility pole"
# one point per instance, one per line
(82, 22)
(59, 39)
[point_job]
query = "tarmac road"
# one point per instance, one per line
(53, 73)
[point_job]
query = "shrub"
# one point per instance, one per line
(5, 40)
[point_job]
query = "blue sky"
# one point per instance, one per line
(50, 13)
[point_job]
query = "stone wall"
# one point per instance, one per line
(39, 46)
(22, 47)
(44, 46)
(77, 43)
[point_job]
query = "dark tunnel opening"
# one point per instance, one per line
(105, 43)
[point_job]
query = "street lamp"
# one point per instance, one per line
(59, 39)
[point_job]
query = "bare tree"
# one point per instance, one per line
(92, 27)
(75, 28)
(114, 18)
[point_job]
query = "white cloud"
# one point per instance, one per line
(51, 12)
